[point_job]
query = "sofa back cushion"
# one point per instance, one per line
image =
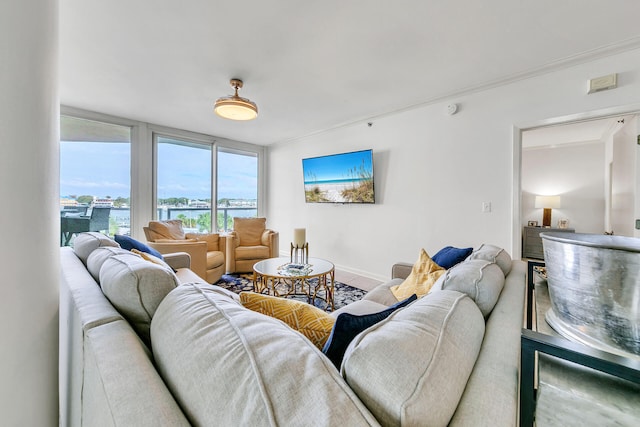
(481, 280)
(85, 243)
(136, 287)
(170, 229)
(348, 326)
(212, 239)
(99, 256)
(412, 368)
(494, 254)
(213, 353)
(249, 230)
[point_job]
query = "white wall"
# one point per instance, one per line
(576, 174)
(433, 171)
(623, 179)
(636, 143)
(30, 223)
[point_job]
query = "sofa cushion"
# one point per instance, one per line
(212, 239)
(494, 254)
(481, 280)
(213, 353)
(168, 229)
(422, 357)
(498, 363)
(120, 385)
(361, 307)
(310, 321)
(382, 294)
(151, 258)
(214, 259)
(252, 252)
(449, 256)
(99, 256)
(348, 326)
(136, 287)
(249, 230)
(130, 243)
(85, 243)
(423, 275)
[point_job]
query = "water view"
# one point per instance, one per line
(195, 220)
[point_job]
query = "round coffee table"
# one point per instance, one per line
(315, 280)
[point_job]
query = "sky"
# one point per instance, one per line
(336, 166)
(103, 169)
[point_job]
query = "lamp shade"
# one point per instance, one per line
(547, 202)
(235, 107)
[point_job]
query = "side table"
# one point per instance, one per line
(576, 384)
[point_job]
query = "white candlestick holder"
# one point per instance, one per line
(300, 254)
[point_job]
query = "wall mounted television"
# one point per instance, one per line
(339, 178)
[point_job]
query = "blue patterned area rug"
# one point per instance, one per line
(343, 294)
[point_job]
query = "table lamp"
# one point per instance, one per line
(547, 203)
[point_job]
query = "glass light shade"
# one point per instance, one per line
(236, 108)
(549, 202)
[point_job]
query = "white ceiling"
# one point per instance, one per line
(313, 66)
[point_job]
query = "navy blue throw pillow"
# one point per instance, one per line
(129, 243)
(449, 256)
(348, 326)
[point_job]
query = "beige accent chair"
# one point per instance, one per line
(250, 242)
(206, 250)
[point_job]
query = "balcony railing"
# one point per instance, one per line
(224, 221)
(120, 218)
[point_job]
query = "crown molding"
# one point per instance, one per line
(567, 62)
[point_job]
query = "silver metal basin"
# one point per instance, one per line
(594, 287)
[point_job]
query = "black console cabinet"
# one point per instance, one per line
(532, 242)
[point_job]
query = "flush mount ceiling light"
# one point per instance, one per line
(235, 107)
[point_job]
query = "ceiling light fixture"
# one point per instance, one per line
(235, 107)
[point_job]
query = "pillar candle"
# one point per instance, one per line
(299, 237)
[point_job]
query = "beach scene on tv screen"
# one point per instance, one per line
(339, 178)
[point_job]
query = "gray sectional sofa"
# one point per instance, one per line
(188, 353)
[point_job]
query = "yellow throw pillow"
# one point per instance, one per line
(310, 321)
(423, 275)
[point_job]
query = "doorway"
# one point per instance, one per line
(590, 163)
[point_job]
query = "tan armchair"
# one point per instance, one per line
(250, 242)
(206, 250)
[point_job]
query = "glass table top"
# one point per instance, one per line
(283, 267)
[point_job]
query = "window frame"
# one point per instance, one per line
(244, 151)
(189, 139)
(143, 163)
(109, 120)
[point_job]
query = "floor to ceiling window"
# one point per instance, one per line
(237, 186)
(95, 177)
(117, 174)
(183, 182)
